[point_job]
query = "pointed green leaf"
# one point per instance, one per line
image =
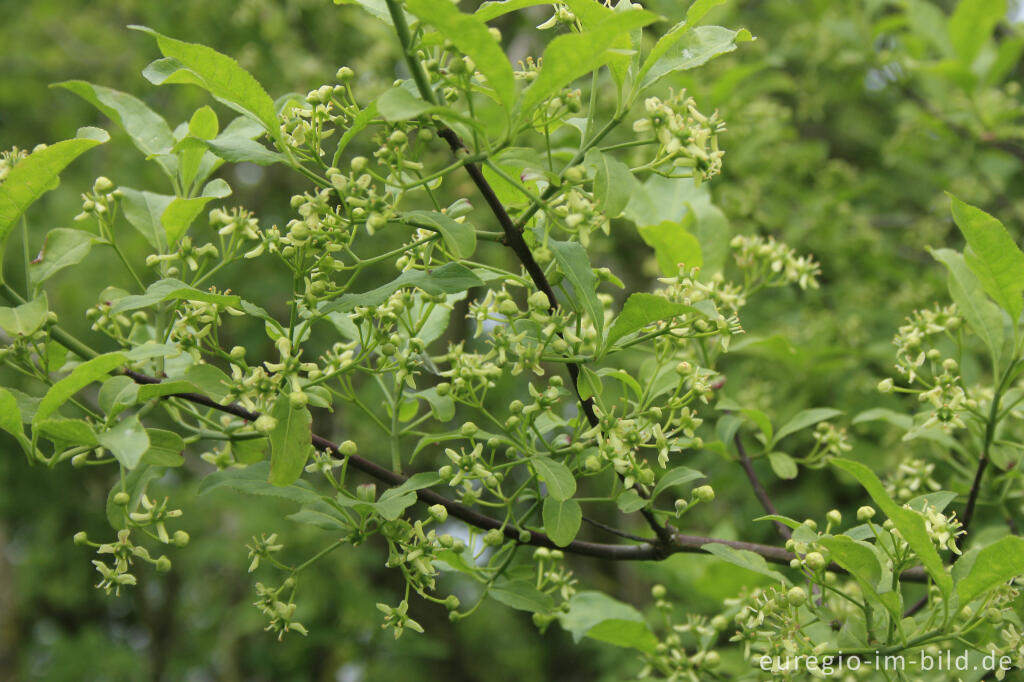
(674, 477)
(783, 465)
(470, 35)
(673, 244)
(171, 289)
(83, 375)
(803, 419)
(744, 559)
(598, 616)
(574, 55)
(993, 256)
(148, 130)
(613, 182)
(573, 261)
(459, 236)
(63, 248)
(910, 523)
(972, 24)
(450, 278)
(996, 565)
(38, 173)
(289, 441)
(643, 309)
(222, 77)
(562, 519)
(127, 441)
(25, 319)
(166, 449)
(560, 482)
(983, 316)
(692, 49)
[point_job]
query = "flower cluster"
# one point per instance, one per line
(688, 139)
(769, 263)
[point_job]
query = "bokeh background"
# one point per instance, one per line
(844, 130)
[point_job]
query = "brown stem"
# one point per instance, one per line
(759, 491)
(646, 551)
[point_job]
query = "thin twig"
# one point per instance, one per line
(759, 491)
(513, 232)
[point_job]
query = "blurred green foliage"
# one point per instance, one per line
(846, 123)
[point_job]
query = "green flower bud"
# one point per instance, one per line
(121, 498)
(885, 386)
(163, 564)
(659, 592)
(348, 448)
(814, 561)
(438, 512)
(451, 602)
(865, 513)
(469, 429)
(592, 463)
(539, 301)
(344, 74)
(237, 353)
(834, 517)
(704, 493)
(712, 659)
(359, 164)
(796, 596)
(102, 185)
(81, 538)
(525, 536)
(181, 538)
(494, 538)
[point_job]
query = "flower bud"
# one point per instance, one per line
(494, 538)
(834, 517)
(658, 591)
(344, 74)
(796, 596)
(885, 386)
(469, 429)
(865, 513)
(163, 564)
(348, 448)
(814, 561)
(81, 537)
(121, 498)
(704, 493)
(181, 538)
(438, 512)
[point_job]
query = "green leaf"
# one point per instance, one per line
(521, 594)
(910, 523)
(572, 259)
(116, 394)
(210, 380)
(993, 256)
(783, 465)
(11, 420)
(143, 210)
(148, 130)
(241, 149)
(172, 290)
(673, 245)
(628, 501)
(744, 559)
(252, 480)
(37, 174)
(574, 55)
(399, 104)
(692, 49)
(127, 441)
(68, 431)
(674, 477)
(166, 449)
(803, 419)
(289, 441)
(222, 77)
(459, 237)
(613, 182)
(470, 35)
(562, 519)
(442, 406)
(596, 615)
(983, 316)
(181, 213)
(80, 377)
(63, 248)
(862, 561)
(996, 565)
(588, 383)
(560, 482)
(972, 24)
(642, 309)
(25, 319)
(450, 278)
